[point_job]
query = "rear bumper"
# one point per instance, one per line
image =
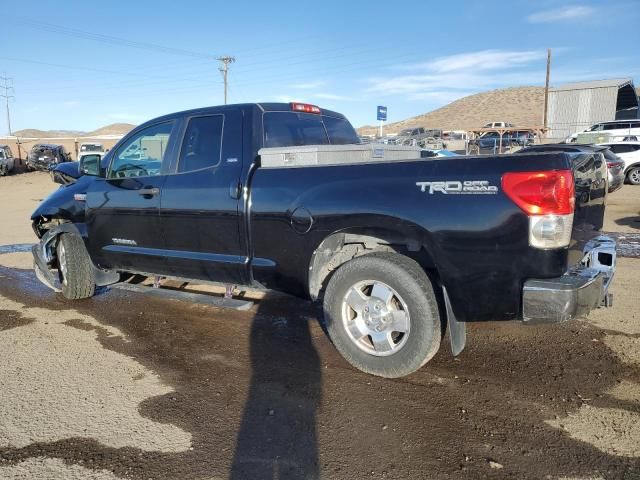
(573, 295)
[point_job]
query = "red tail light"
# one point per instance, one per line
(304, 107)
(541, 193)
(615, 164)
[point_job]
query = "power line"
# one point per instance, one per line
(225, 71)
(98, 37)
(7, 86)
(114, 40)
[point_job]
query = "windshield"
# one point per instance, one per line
(406, 132)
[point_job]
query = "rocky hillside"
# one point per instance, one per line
(522, 106)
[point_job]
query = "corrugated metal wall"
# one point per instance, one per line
(572, 111)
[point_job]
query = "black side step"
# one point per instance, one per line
(200, 298)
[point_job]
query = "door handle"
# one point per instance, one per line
(149, 192)
(235, 189)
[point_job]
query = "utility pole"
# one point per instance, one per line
(546, 88)
(7, 87)
(224, 69)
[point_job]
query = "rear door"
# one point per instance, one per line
(199, 202)
(123, 209)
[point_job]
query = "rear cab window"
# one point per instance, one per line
(290, 129)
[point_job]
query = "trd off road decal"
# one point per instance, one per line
(456, 187)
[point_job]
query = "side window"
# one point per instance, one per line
(596, 128)
(616, 126)
(142, 154)
(1, 153)
(202, 143)
(621, 148)
(635, 125)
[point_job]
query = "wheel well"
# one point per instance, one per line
(339, 248)
(634, 165)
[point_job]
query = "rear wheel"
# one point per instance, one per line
(382, 314)
(75, 269)
(4, 169)
(633, 176)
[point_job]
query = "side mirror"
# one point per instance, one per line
(90, 165)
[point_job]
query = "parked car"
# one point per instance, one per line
(7, 160)
(615, 165)
(612, 131)
(396, 249)
(509, 139)
(418, 136)
(629, 152)
(44, 156)
(498, 125)
(90, 147)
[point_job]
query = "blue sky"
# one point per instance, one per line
(80, 66)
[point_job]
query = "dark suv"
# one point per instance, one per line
(44, 156)
(615, 165)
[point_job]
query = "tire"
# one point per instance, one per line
(75, 269)
(4, 170)
(396, 354)
(633, 176)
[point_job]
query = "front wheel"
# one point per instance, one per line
(633, 176)
(382, 315)
(75, 269)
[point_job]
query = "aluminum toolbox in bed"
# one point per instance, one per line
(317, 155)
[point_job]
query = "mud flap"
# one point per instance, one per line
(457, 330)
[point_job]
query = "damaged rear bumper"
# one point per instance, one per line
(573, 295)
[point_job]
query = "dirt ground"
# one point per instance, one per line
(126, 386)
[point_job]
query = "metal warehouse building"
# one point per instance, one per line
(574, 107)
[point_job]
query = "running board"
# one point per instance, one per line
(200, 298)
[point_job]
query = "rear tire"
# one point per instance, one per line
(395, 328)
(633, 176)
(75, 269)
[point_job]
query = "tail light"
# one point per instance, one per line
(304, 107)
(548, 198)
(615, 164)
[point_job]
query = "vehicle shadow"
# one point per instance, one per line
(633, 222)
(277, 436)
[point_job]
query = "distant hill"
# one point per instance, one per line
(113, 129)
(35, 133)
(522, 106)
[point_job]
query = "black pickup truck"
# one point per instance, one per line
(279, 196)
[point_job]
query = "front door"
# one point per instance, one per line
(200, 201)
(123, 209)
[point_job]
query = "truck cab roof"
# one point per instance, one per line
(262, 106)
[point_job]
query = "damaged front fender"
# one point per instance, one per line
(45, 261)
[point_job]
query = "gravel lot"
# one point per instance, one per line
(125, 386)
